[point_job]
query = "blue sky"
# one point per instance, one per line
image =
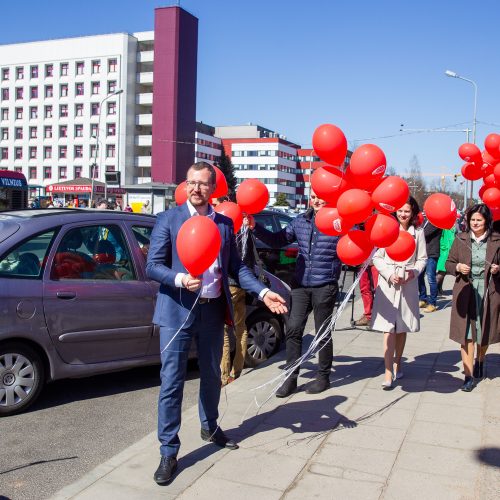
(366, 66)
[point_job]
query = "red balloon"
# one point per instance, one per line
(181, 193)
(252, 196)
(403, 248)
(233, 211)
(328, 183)
(367, 164)
(328, 221)
(482, 189)
(392, 193)
(383, 230)
(330, 144)
(492, 145)
(469, 152)
(496, 173)
(491, 197)
(221, 188)
(198, 244)
(355, 205)
(420, 219)
(495, 213)
(472, 171)
(354, 248)
(488, 160)
(440, 210)
(490, 180)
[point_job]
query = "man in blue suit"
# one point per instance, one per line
(182, 316)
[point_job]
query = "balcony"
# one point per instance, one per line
(145, 56)
(143, 140)
(142, 161)
(144, 119)
(145, 77)
(146, 98)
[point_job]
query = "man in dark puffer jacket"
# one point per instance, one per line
(314, 289)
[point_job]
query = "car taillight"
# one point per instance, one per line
(291, 252)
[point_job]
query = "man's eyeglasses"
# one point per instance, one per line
(198, 184)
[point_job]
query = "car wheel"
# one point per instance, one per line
(21, 377)
(264, 336)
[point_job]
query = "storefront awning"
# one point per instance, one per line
(82, 185)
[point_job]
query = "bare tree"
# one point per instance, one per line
(415, 181)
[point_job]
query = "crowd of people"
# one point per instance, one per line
(195, 307)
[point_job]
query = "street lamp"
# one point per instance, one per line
(452, 74)
(96, 137)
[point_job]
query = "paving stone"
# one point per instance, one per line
(105, 490)
(391, 417)
(448, 414)
(381, 398)
(452, 436)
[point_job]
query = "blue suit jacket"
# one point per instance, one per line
(163, 264)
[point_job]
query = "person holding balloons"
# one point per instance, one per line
(474, 260)
(191, 255)
(395, 308)
(314, 288)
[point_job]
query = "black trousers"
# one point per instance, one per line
(320, 300)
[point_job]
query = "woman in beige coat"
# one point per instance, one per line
(395, 307)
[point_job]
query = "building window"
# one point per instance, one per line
(5, 74)
(94, 109)
(78, 172)
(5, 94)
(32, 152)
(33, 112)
(47, 112)
(111, 108)
(49, 70)
(32, 172)
(19, 73)
(93, 129)
(96, 67)
(34, 71)
(110, 150)
(19, 113)
(19, 170)
(64, 69)
(47, 132)
(79, 67)
(78, 152)
(93, 151)
(47, 172)
(112, 65)
(49, 91)
(78, 130)
(33, 132)
(33, 92)
(18, 132)
(63, 110)
(95, 88)
(47, 152)
(110, 129)
(63, 152)
(62, 172)
(79, 88)
(63, 90)
(5, 134)
(4, 153)
(5, 113)
(78, 109)
(18, 153)
(63, 131)
(111, 86)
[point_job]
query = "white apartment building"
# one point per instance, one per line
(207, 147)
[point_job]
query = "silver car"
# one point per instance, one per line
(75, 300)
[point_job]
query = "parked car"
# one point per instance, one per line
(75, 300)
(280, 262)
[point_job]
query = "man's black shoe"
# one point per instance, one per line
(319, 385)
(468, 384)
(218, 438)
(288, 387)
(166, 470)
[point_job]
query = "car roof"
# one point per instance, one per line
(68, 212)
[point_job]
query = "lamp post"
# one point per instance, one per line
(116, 92)
(452, 74)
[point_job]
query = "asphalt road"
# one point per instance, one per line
(75, 426)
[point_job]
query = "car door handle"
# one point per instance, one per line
(66, 295)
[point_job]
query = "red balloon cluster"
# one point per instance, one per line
(484, 165)
(354, 194)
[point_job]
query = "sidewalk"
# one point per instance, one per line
(424, 439)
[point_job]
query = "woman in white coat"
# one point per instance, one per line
(395, 307)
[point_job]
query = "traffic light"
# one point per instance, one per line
(455, 177)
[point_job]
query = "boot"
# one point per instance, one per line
(478, 369)
(468, 384)
(288, 387)
(319, 385)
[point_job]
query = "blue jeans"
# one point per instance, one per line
(208, 332)
(430, 272)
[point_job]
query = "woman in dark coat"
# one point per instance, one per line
(475, 316)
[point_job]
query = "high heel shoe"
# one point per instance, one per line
(387, 385)
(468, 384)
